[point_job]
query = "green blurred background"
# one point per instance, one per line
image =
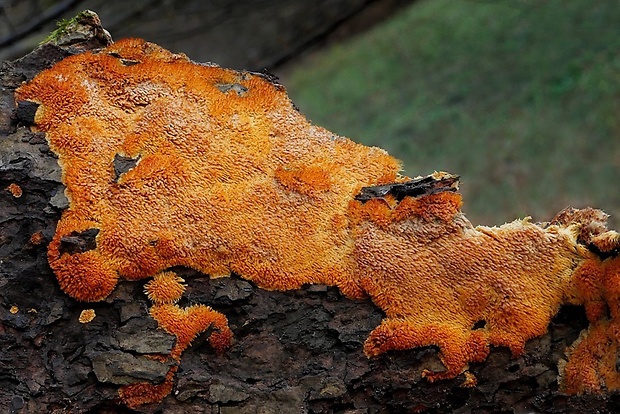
(520, 98)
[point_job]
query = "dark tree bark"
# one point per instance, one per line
(297, 351)
(265, 34)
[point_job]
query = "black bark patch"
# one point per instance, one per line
(42, 57)
(236, 87)
(79, 242)
(25, 112)
(124, 62)
(123, 164)
(415, 188)
(129, 62)
(273, 79)
(479, 324)
(603, 254)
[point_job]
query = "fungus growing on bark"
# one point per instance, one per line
(15, 190)
(592, 364)
(165, 288)
(185, 324)
(36, 238)
(169, 163)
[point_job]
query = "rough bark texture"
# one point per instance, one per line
(297, 351)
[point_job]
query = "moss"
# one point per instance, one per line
(67, 26)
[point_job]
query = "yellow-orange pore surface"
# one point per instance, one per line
(172, 163)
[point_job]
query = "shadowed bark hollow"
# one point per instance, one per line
(297, 351)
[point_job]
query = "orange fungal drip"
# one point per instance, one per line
(171, 163)
(185, 324)
(135, 395)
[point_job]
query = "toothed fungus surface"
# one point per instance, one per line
(171, 163)
(166, 287)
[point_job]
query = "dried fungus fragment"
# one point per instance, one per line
(87, 315)
(26, 111)
(170, 163)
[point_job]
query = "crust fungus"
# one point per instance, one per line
(170, 163)
(15, 190)
(36, 238)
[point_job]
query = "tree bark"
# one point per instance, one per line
(297, 351)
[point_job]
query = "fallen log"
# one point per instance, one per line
(300, 331)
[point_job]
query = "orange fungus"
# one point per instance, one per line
(15, 190)
(171, 163)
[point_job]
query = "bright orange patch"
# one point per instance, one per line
(165, 288)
